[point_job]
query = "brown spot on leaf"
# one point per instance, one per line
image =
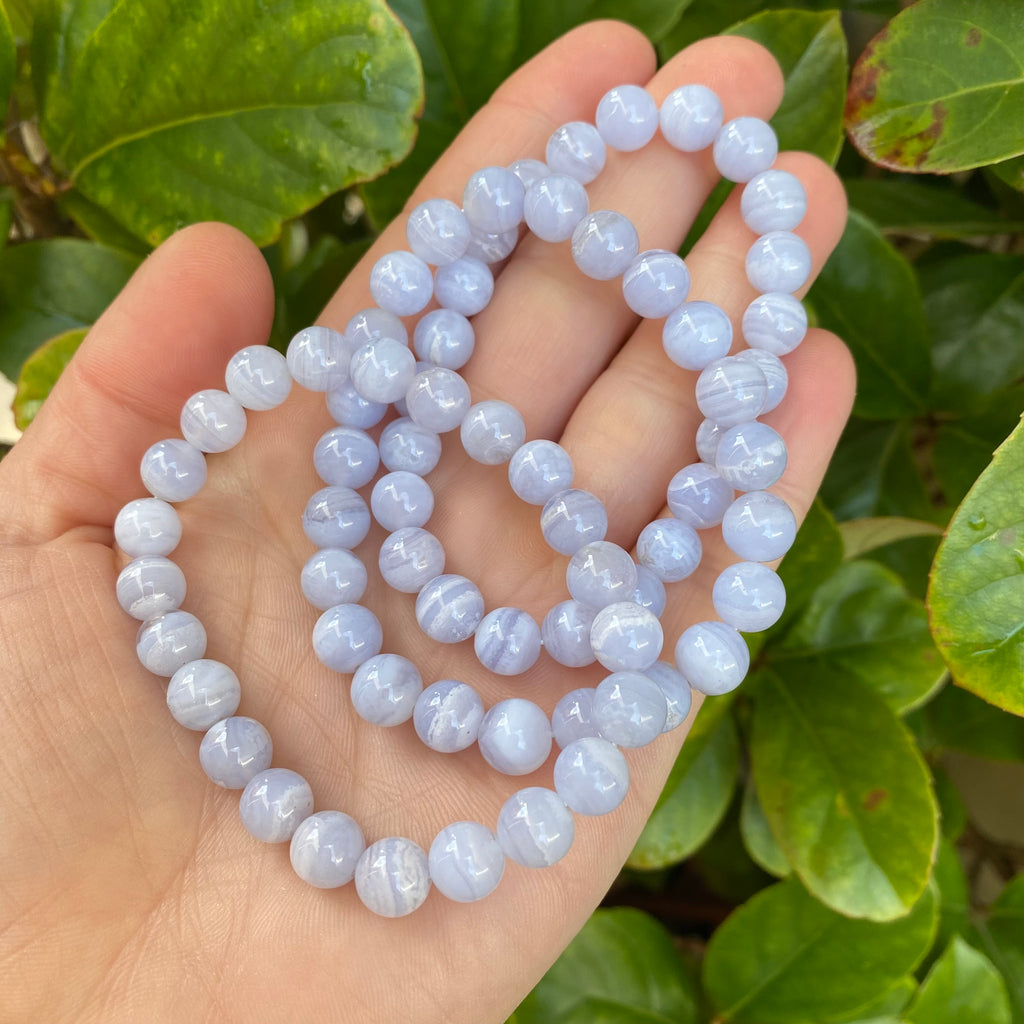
(973, 36)
(874, 798)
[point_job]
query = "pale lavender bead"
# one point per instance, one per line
(759, 526)
(626, 637)
(336, 517)
(384, 689)
(713, 657)
(350, 409)
(149, 586)
(650, 591)
(493, 200)
(566, 634)
(401, 499)
(346, 457)
(381, 370)
(401, 283)
(749, 597)
(492, 431)
(696, 334)
(466, 862)
(627, 118)
(573, 717)
(438, 231)
(515, 737)
(202, 693)
(212, 421)
(444, 338)
(528, 170)
(751, 456)
(591, 776)
(576, 149)
(774, 374)
(447, 716)
(554, 206)
(773, 200)
(345, 636)
(147, 526)
(325, 849)
(318, 358)
(655, 283)
(571, 519)
(600, 574)
(409, 559)
(744, 147)
(465, 285)
(507, 641)
(775, 322)
(676, 690)
(449, 608)
(437, 399)
(778, 262)
(535, 828)
(488, 248)
(257, 378)
(392, 877)
(234, 751)
(274, 803)
(168, 641)
(629, 709)
(709, 433)
(539, 470)
(405, 445)
(604, 244)
(690, 117)
(173, 470)
(670, 549)
(698, 496)
(333, 576)
(731, 391)
(372, 324)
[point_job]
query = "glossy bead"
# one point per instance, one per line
(437, 399)
(655, 283)
(591, 776)
(173, 470)
(690, 117)
(444, 338)
(774, 374)
(627, 118)
(350, 409)
(325, 849)
(372, 324)
(554, 206)
(507, 641)
(447, 716)
(273, 804)
(573, 717)
(401, 499)
(465, 285)
(604, 244)
(405, 445)
(333, 576)
(696, 334)
(775, 322)
(571, 519)
(401, 283)
(438, 231)
(731, 391)
(759, 526)
(384, 689)
(773, 200)
(147, 526)
(382, 370)
(318, 358)
(150, 586)
(168, 641)
(629, 709)
(347, 635)
(212, 421)
(698, 496)
(409, 559)
(257, 378)
(528, 170)
(392, 877)
(492, 432)
(202, 692)
(676, 691)
(600, 574)
(346, 457)
(492, 248)
(670, 549)
(749, 597)
(649, 592)
(778, 262)
(336, 517)
(535, 828)
(566, 634)
(539, 470)
(713, 657)
(515, 737)
(751, 456)
(709, 433)
(449, 608)
(744, 147)
(234, 751)
(626, 637)
(576, 149)
(466, 862)
(493, 200)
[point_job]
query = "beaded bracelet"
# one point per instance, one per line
(614, 606)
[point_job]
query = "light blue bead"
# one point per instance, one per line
(449, 608)
(626, 637)
(759, 526)
(627, 118)
(409, 559)
(493, 200)
(592, 776)
(539, 470)
(466, 862)
(696, 334)
(774, 374)
(202, 692)
(336, 517)
(173, 470)
(257, 378)
(778, 262)
(690, 117)
(600, 574)
(515, 737)
(751, 456)
(528, 170)
(447, 716)
(166, 642)
(405, 445)
(274, 803)
(401, 499)
(492, 432)
(676, 691)
(372, 324)
(437, 399)
(507, 641)
(713, 657)
(392, 877)
(212, 421)
(444, 338)
(604, 244)
(326, 848)
(438, 231)
(333, 576)
(698, 496)
(382, 370)
(629, 709)
(150, 586)
(655, 283)
(749, 597)
(318, 358)
(350, 409)
(384, 689)
(709, 433)
(492, 248)
(731, 391)
(576, 149)
(573, 717)
(347, 635)
(465, 285)
(775, 322)
(744, 147)
(649, 592)
(400, 283)
(147, 526)
(566, 634)
(670, 549)
(234, 751)
(773, 201)
(535, 828)
(346, 457)
(571, 519)
(554, 206)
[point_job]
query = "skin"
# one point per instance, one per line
(130, 890)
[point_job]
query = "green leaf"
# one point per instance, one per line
(99, 225)
(8, 59)
(976, 590)
(1001, 937)
(6, 213)
(939, 88)
(783, 957)
(954, 896)
(885, 1008)
(1012, 172)
(957, 720)
(52, 286)
(622, 967)
(952, 809)
(816, 553)
(757, 835)
(863, 535)
(867, 293)
(723, 863)
(240, 111)
(962, 988)
(845, 791)
(40, 372)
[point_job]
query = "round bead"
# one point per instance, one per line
(173, 470)
(385, 688)
(493, 200)
(690, 117)
(731, 391)
(709, 433)
(333, 576)
(604, 244)
(696, 334)
(655, 283)
(591, 776)
(447, 716)
(273, 804)
(773, 201)
(744, 147)
(778, 262)
(566, 634)
(336, 517)
(409, 559)
(627, 118)
(466, 862)
(346, 457)
(554, 206)
(392, 877)
(405, 445)
(528, 170)
(465, 285)
(318, 358)
(492, 432)
(438, 231)
(751, 456)
(576, 149)
(600, 574)
(449, 608)
(372, 324)
(749, 597)
(212, 421)
(775, 322)
(202, 693)
(381, 370)
(401, 499)
(571, 519)
(257, 378)
(150, 586)
(345, 636)
(171, 640)
(573, 717)
(713, 657)
(492, 248)
(650, 591)
(515, 737)
(444, 338)
(535, 828)
(698, 496)
(539, 470)
(437, 399)
(626, 637)
(676, 690)
(774, 374)
(147, 526)
(507, 641)
(234, 751)
(401, 283)
(350, 409)
(325, 849)
(629, 709)
(670, 549)
(759, 526)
